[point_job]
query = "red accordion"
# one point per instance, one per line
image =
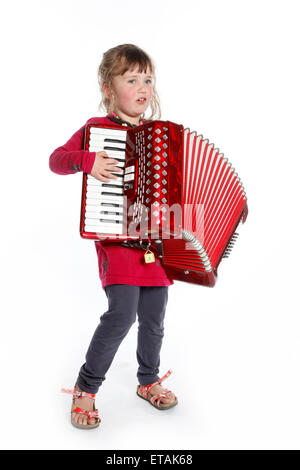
(176, 191)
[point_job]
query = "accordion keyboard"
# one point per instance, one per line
(104, 202)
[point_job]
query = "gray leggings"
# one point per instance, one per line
(124, 302)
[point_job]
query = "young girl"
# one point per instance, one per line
(126, 79)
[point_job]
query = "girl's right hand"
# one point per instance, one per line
(102, 167)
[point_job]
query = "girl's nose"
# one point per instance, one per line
(142, 87)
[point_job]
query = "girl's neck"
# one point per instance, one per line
(125, 121)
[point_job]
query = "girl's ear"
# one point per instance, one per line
(106, 91)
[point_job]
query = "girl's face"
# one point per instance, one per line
(132, 93)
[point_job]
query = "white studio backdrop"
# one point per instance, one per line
(230, 71)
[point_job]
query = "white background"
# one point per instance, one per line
(230, 71)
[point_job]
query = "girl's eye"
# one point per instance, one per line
(147, 81)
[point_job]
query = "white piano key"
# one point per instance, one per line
(99, 208)
(94, 147)
(118, 173)
(108, 142)
(92, 215)
(111, 215)
(111, 153)
(95, 222)
(104, 229)
(103, 222)
(95, 182)
(100, 190)
(108, 132)
(112, 183)
(118, 181)
(117, 201)
(108, 135)
(107, 199)
(103, 142)
(98, 145)
(108, 188)
(98, 216)
(102, 184)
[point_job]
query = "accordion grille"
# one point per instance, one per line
(213, 200)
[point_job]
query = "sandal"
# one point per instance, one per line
(76, 409)
(155, 400)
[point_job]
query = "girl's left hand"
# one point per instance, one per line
(102, 167)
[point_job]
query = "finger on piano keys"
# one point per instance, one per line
(92, 181)
(112, 154)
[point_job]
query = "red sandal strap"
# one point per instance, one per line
(78, 393)
(158, 397)
(144, 389)
(167, 374)
(89, 414)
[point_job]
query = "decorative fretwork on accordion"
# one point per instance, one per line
(176, 190)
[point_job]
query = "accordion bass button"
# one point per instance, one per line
(186, 272)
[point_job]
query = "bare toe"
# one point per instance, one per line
(79, 419)
(84, 420)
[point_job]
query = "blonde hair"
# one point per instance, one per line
(116, 61)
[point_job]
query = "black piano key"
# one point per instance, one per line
(110, 213)
(110, 204)
(110, 185)
(118, 149)
(107, 193)
(107, 221)
(114, 141)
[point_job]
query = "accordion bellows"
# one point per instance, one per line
(177, 190)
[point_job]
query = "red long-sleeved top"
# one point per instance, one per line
(117, 264)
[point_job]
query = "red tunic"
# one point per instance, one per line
(117, 264)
